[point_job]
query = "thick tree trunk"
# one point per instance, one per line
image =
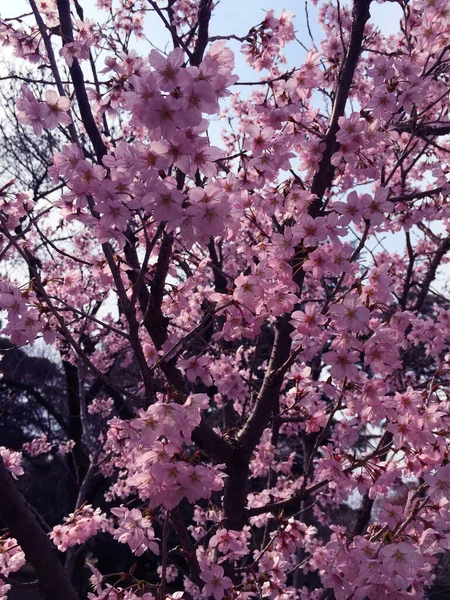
(38, 548)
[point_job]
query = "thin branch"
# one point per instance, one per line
(177, 40)
(407, 285)
(203, 17)
(78, 82)
(52, 60)
(417, 195)
(441, 251)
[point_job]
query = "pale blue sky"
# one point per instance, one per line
(237, 16)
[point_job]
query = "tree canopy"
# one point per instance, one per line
(226, 356)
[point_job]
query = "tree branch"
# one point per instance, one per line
(204, 16)
(324, 176)
(78, 83)
(441, 251)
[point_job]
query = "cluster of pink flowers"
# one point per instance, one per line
(79, 48)
(78, 527)
(216, 582)
(12, 461)
(373, 570)
(23, 317)
(37, 446)
(108, 592)
(47, 114)
(232, 544)
(41, 445)
(4, 589)
(135, 530)
(168, 100)
(12, 557)
(66, 447)
(152, 460)
(264, 42)
(183, 263)
(101, 406)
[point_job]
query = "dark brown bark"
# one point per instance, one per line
(80, 463)
(441, 251)
(204, 16)
(77, 76)
(363, 515)
(423, 130)
(324, 176)
(38, 548)
(268, 396)
(188, 546)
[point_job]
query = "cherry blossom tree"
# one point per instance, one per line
(257, 388)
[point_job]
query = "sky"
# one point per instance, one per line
(237, 17)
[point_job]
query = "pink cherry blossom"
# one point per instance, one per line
(243, 280)
(78, 527)
(12, 461)
(309, 321)
(216, 582)
(135, 530)
(342, 363)
(57, 110)
(349, 315)
(12, 558)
